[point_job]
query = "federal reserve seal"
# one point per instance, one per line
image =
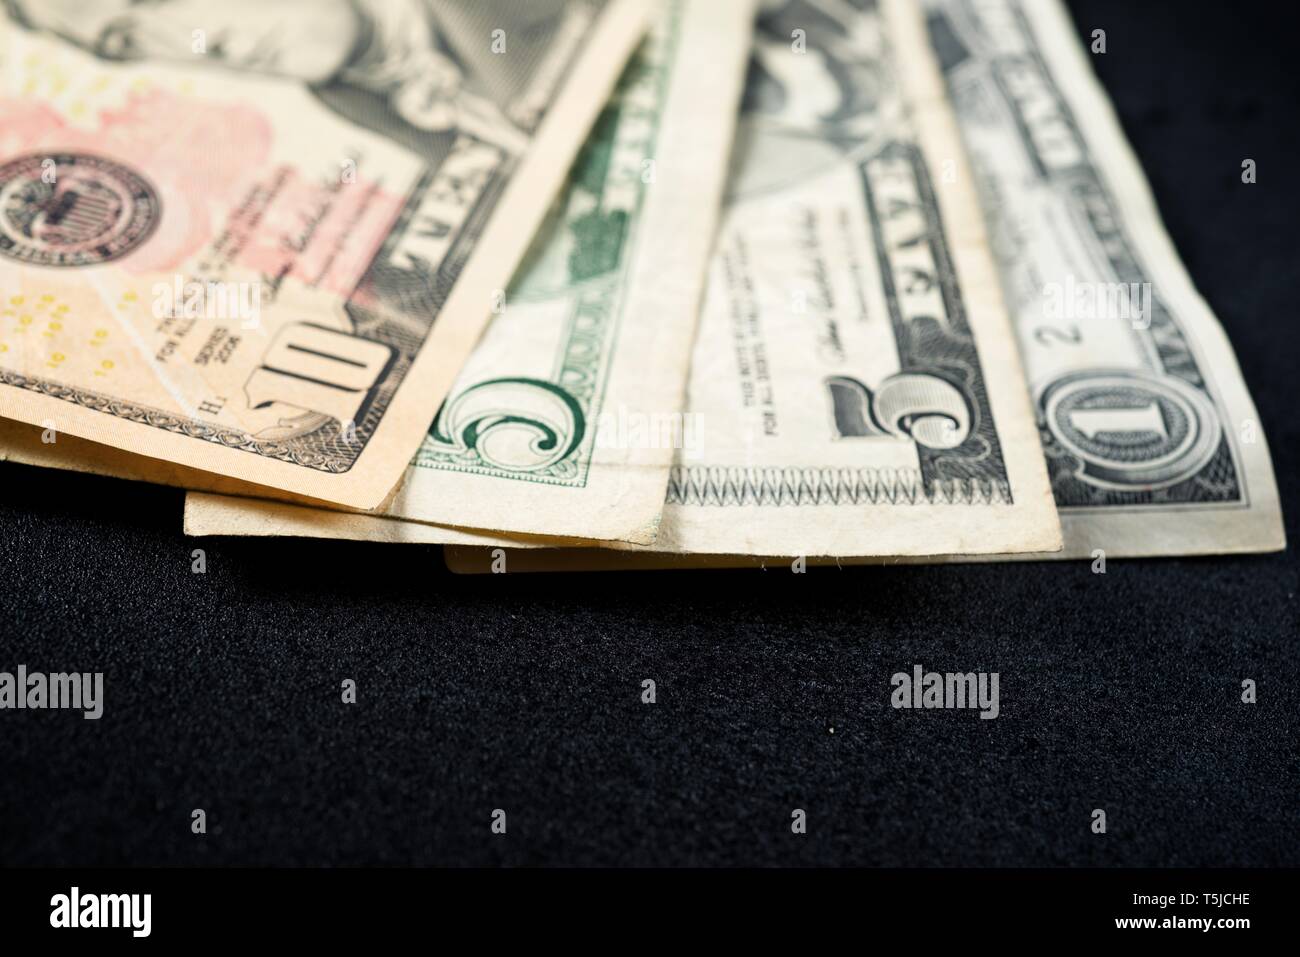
(1132, 429)
(73, 209)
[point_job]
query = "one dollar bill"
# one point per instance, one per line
(1153, 444)
(855, 380)
(258, 245)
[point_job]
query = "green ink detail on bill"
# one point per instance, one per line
(526, 428)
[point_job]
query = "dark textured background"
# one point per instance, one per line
(522, 692)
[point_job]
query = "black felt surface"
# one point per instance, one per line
(1118, 691)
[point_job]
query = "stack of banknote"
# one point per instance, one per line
(600, 284)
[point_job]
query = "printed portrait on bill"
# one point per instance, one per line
(417, 71)
(813, 93)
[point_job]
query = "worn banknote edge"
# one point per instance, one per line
(218, 515)
(484, 556)
(373, 479)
